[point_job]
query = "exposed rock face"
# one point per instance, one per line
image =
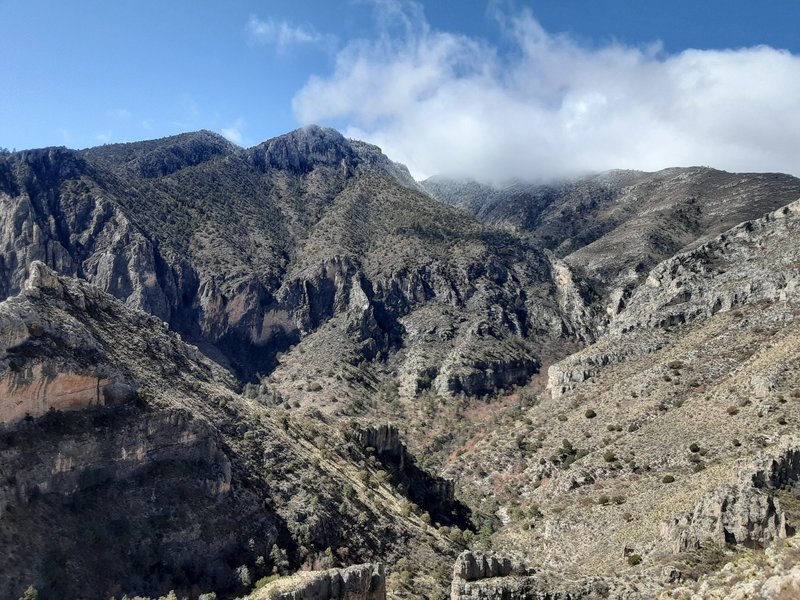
(477, 576)
(778, 469)
(732, 515)
(471, 566)
(585, 364)
(359, 582)
(33, 393)
(710, 278)
(742, 514)
(433, 494)
(121, 489)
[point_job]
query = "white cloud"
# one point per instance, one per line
(119, 113)
(283, 34)
(445, 103)
(234, 132)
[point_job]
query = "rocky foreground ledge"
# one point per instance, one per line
(359, 582)
(479, 576)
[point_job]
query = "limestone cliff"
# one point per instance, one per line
(359, 582)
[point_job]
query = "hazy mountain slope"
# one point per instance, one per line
(615, 226)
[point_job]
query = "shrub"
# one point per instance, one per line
(694, 447)
(736, 443)
(634, 559)
(562, 418)
(609, 456)
(30, 594)
(668, 479)
(733, 410)
(590, 414)
(698, 467)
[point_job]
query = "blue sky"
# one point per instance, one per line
(488, 89)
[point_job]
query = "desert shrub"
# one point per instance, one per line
(609, 456)
(590, 414)
(634, 559)
(733, 410)
(30, 594)
(694, 447)
(668, 479)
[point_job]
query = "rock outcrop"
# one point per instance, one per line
(478, 576)
(359, 582)
(433, 494)
(745, 513)
(698, 283)
(774, 470)
(731, 515)
(472, 566)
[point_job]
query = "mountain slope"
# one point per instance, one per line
(218, 364)
(131, 466)
(659, 418)
(614, 227)
(246, 251)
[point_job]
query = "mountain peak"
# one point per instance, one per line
(303, 149)
(164, 156)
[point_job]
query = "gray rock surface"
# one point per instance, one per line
(358, 582)
(745, 513)
(479, 576)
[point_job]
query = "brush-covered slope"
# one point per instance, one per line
(616, 226)
(671, 438)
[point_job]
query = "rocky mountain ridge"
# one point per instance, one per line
(291, 359)
(244, 252)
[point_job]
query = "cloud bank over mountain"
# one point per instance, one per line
(546, 105)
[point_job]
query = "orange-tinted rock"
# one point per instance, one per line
(36, 393)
